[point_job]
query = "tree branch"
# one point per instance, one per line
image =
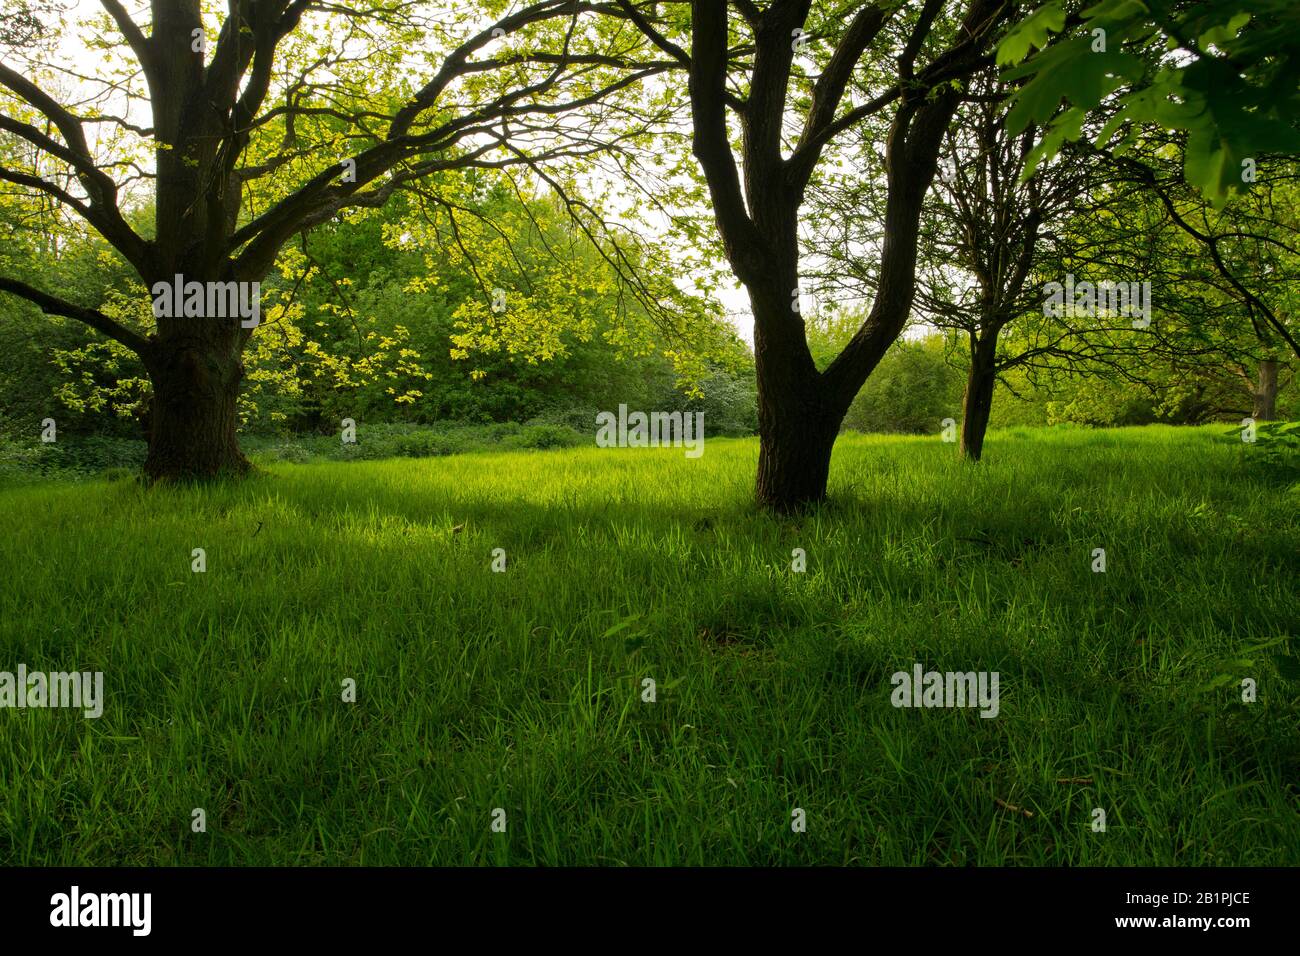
(52, 305)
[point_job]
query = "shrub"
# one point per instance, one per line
(547, 436)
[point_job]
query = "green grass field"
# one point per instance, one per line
(522, 690)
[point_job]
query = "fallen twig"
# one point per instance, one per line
(1012, 807)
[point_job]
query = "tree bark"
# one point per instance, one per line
(192, 418)
(1266, 392)
(797, 433)
(796, 424)
(794, 460)
(977, 403)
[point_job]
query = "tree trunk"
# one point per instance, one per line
(192, 420)
(1266, 392)
(978, 400)
(794, 452)
(797, 426)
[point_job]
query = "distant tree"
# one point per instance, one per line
(741, 60)
(912, 390)
(1240, 263)
(987, 245)
(988, 240)
(1218, 279)
(1248, 250)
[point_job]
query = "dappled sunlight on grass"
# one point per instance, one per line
(522, 689)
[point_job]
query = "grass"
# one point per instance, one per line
(522, 690)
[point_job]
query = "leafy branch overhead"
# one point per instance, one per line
(1225, 72)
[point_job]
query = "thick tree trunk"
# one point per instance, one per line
(794, 456)
(978, 401)
(796, 424)
(1266, 391)
(192, 421)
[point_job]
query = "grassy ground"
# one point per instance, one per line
(522, 690)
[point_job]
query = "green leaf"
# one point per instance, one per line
(1217, 36)
(1208, 162)
(1219, 681)
(1070, 71)
(1117, 10)
(620, 626)
(1067, 128)
(1031, 33)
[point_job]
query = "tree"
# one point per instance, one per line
(993, 228)
(1245, 254)
(1213, 275)
(20, 25)
(1223, 77)
(988, 239)
(272, 120)
(742, 66)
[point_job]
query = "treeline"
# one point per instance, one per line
(367, 330)
(922, 380)
(374, 319)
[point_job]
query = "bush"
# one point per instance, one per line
(912, 391)
(424, 444)
(71, 457)
(117, 459)
(285, 451)
(546, 436)
(1276, 449)
(580, 419)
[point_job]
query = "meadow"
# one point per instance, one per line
(523, 689)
